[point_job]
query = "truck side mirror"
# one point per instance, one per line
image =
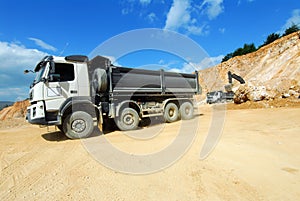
(28, 71)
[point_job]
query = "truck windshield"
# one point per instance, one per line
(39, 73)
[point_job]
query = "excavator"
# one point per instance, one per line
(220, 96)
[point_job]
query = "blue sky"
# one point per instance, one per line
(31, 29)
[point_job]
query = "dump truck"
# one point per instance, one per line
(77, 94)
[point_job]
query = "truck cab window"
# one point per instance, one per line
(62, 72)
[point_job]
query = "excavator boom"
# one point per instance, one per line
(236, 77)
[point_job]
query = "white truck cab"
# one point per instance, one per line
(57, 80)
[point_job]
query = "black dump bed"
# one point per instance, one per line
(123, 80)
(128, 80)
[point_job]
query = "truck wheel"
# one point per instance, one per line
(78, 125)
(171, 113)
(128, 120)
(186, 111)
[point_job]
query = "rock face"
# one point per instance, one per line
(253, 93)
(271, 72)
(17, 110)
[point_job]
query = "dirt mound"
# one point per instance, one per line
(272, 72)
(253, 93)
(276, 103)
(17, 110)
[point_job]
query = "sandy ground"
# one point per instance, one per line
(256, 158)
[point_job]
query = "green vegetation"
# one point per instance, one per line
(291, 29)
(271, 38)
(248, 48)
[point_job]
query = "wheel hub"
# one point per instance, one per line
(171, 113)
(78, 125)
(128, 119)
(187, 110)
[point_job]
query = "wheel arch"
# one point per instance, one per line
(82, 104)
(177, 101)
(128, 104)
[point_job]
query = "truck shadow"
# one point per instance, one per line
(110, 125)
(144, 124)
(58, 136)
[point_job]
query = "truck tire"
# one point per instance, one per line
(78, 125)
(99, 80)
(171, 113)
(128, 119)
(186, 111)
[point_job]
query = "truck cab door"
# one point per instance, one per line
(61, 85)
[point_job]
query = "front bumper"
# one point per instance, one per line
(36, 114)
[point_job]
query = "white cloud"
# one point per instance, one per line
(247, 1)
(185, 17)
(209, 62)
(42, 44)
(179, 15)
(198, 30)
(161, 62)
(131, 6)
(213, 8)
(15, 58)
(151, 17)
(145, 2)
(125, 11)
(294, 19)
(186, 68)
(222, 30)
(204, 63)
